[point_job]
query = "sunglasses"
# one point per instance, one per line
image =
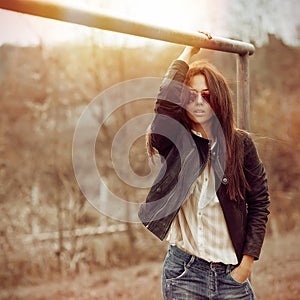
(205, 94)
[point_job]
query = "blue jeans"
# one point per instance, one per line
(188, 277)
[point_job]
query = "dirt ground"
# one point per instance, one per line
(276, 276)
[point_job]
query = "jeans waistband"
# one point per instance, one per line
(174, 250)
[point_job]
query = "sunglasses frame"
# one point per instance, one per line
(205, 95)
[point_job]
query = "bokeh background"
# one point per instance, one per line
(54, 243)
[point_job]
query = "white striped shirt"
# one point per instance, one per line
(200, 228)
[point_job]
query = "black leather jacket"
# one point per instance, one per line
(185, 156)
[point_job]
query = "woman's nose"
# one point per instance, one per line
(200, 99)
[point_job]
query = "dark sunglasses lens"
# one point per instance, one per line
(205, 95)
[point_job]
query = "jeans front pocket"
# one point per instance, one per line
(175, 267)
(233, 289)
(175, 278)
(235, 281)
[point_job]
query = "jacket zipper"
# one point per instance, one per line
(194, 178)
(170, 196)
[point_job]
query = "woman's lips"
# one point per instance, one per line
(199, 113)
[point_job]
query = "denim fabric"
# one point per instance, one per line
(188, 277)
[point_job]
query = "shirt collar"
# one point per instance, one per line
(200, 135)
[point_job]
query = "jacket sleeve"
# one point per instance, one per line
(168, 110)
(257, 200)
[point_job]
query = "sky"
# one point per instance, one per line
(24, 29)
(242, 19)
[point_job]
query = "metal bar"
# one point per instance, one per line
(243, 92)
(99, 20)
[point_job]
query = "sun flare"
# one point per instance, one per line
(175, 14)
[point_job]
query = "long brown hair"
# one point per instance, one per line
(224, 128)
(222, 105)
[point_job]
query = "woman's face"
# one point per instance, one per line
(199, 111)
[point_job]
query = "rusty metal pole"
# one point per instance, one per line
(87, 17)
(243, 92)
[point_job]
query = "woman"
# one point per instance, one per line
(210, 199)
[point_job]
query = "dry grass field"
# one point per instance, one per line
(276, 276)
